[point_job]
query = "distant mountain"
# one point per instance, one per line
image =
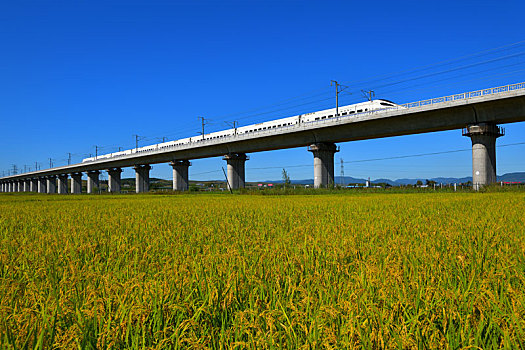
(510, 177)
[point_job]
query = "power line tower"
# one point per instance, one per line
(15, 169)
(342, 172)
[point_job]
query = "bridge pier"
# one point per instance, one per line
(323, 163)
(142, 178)
(34, 185)
(114, 180)
(27, 185)
(92, 180)
(51, 184)
(483, 137)
(42, 185)
(76, 183)
(236, 173)
(62, 184)
(180, 174)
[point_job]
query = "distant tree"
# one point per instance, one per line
(419, 183)
(430, 182)
(286, 178)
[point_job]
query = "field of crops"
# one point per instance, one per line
(427, 270)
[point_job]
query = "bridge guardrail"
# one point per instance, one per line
(466, 95)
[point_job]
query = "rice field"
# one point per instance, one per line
(422, 270)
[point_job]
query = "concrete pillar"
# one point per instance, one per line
(76, 183)
(1, 187)
(114, 180)
(51, 184)
(323, 163)
(142, 178)
(27, 185)
(180, 174)
(42, 182)
(483, 137)
(34, 185)
(236, 174)
(62, 184)
(93, 180)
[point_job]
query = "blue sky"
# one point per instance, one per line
(75, 75)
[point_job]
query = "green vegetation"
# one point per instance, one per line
(369, 270)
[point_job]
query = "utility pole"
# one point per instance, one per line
(338, 89)
(25, 168)
(15, 169)
(137, 138)
(203, 122)
(369, 94)
(234, 125)
(342, 172)
(96, 152)
(36, 166)
(50, 163)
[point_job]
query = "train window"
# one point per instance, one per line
(351, 112)
(385, 104)
(330, 116)
(366, 109)
(359, 110)
(344, 113)
(323, 117)
(317, 118)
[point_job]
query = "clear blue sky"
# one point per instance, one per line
(75, 74)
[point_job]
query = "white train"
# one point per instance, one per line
(357, 108)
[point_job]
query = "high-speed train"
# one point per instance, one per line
(364, 107)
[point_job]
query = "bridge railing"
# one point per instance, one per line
(466, 95)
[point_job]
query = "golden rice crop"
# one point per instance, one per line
(433, 270)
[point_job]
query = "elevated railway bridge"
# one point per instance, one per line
(478, 114)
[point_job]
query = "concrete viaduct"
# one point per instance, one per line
(477, 113)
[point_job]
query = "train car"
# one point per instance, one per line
(357, 108)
